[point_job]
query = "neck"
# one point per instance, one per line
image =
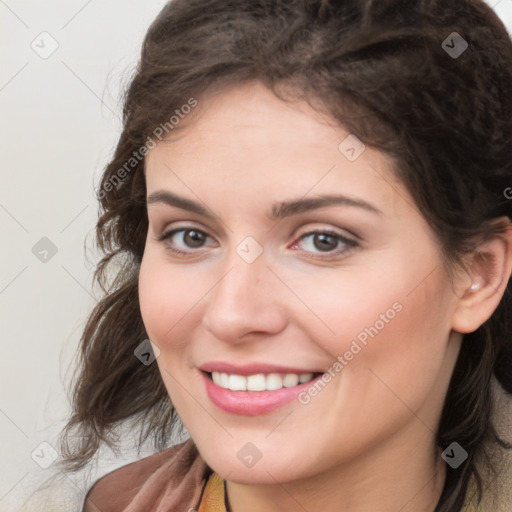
(402, 476)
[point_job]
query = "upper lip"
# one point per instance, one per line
(251, 368)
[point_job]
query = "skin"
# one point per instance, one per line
(367, 440)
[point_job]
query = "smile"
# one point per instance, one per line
(259, 381)
(256, 394)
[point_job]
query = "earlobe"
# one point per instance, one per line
(489, 269)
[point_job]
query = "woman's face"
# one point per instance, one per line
(260, 289)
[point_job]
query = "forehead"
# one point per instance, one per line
(245, 139)
(251, 113)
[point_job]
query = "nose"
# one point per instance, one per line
(245, 303)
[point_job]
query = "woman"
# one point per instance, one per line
(309, 208)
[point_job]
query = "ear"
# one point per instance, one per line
(481, 289)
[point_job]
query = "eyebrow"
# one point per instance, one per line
(278, 211)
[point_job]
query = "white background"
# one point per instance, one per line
(60, 119)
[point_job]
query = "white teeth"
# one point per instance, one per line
(259, 381)
(274, 381)
(216, 376)
(304, 377)
(237, 383)
(290, 379)
(256, 382)
(224, 380)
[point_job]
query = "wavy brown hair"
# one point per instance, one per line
(381, 69)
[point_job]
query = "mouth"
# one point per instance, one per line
(255, 394)
(260, 381)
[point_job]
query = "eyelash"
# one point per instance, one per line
(351, 244)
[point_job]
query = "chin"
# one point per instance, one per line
(266, 470)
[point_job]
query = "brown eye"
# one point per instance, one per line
(327, 242)
(191, 238)
(324, 242)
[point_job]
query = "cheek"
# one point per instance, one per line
(354, 306)
(166, 298)
(390, 330)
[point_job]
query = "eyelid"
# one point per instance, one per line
(168, 233)
(349, 243)
(316, 227)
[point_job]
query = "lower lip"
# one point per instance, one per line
(252, 403)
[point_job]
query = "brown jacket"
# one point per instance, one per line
(168, 481)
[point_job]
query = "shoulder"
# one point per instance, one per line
(171, 478)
